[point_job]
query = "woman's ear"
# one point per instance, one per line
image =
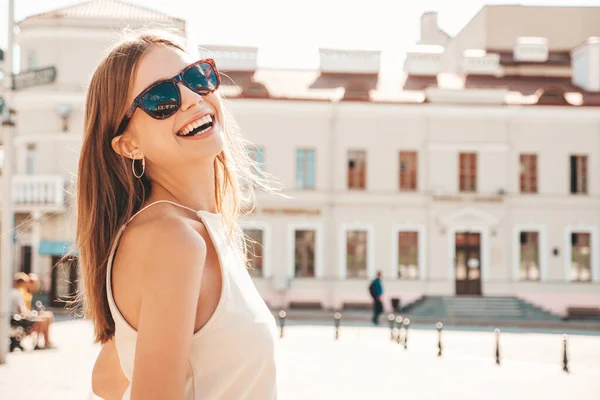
(124, 146)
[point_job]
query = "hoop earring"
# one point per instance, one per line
(132, 156)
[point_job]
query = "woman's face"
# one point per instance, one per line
(161, 141)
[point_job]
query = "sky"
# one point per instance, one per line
(289, 33)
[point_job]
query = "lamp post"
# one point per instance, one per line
(282, 315)
(64, 112)
(392, 319)
(6, 252)
(337, 318)
(565, 361)
(439, 326)
(406, 326)
(497, 332)
(399, 325)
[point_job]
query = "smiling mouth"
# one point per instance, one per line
(197, 127)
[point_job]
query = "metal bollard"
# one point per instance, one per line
(337, 317)
(282, 315)
(439, 326)
(406, 326)
(565, 361)
(497, 332)
(399, 327)
(392, 319)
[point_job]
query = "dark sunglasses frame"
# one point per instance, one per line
(137, 102)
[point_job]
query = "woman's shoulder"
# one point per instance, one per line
(164, 234)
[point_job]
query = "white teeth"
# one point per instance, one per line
(195, 124)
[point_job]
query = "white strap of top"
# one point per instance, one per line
(157, 202)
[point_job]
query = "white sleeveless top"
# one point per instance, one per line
(232, 356)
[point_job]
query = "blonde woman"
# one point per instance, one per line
(158, 197)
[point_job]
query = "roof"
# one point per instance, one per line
(498, 26)
(300, 85)
(279, 84)
(105, 9)
(533, 85)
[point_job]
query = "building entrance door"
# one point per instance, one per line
(467, 263)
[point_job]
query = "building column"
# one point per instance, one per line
(36, 235)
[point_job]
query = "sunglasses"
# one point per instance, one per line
(162, 99)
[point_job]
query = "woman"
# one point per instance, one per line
(159, 180)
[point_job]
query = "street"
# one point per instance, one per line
(362, 364)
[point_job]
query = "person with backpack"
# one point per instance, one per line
(376, 290)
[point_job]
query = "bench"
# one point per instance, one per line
(305, 305)
(355, 305)
(20, 328)
(583, 313)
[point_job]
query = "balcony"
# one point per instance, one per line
(478, 62)
(38, 192)
(424, 60)
(349, 61)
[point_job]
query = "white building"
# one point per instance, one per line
(479, 176)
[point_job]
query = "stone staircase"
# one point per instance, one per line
(477, 310)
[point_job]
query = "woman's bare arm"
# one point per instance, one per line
(172, 259)
(108, 380)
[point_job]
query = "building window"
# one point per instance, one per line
(30, 159)
(580, 257)
(305, 169)
(408, 255)
(31, 61)
(468, 172)
(408, 170)
(357, 166)
(356, 253)
(254, 251)
(528, 173)
(304, 253)
(257, 154)
(529, 266)
(579, 174)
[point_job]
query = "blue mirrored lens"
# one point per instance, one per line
(162, 100)
(201, 78)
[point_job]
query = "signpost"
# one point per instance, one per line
(7, 215)
(34, 77)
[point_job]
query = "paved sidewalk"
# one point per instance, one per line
(365, 364)
(63, 373)
(362, 364)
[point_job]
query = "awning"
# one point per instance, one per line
(56, 248)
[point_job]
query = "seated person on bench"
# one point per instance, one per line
(18, 307)
(30, 322)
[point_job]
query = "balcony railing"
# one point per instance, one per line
(38, 191)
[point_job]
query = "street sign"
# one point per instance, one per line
(35, 77)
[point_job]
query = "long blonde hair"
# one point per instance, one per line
(107, 192)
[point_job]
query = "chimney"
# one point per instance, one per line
(585, 61)
(431, 34)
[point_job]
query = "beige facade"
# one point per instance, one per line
(437, 209)
(451, 122)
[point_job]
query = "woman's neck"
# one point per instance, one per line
(196, 191)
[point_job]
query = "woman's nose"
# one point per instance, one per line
(189, 98)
